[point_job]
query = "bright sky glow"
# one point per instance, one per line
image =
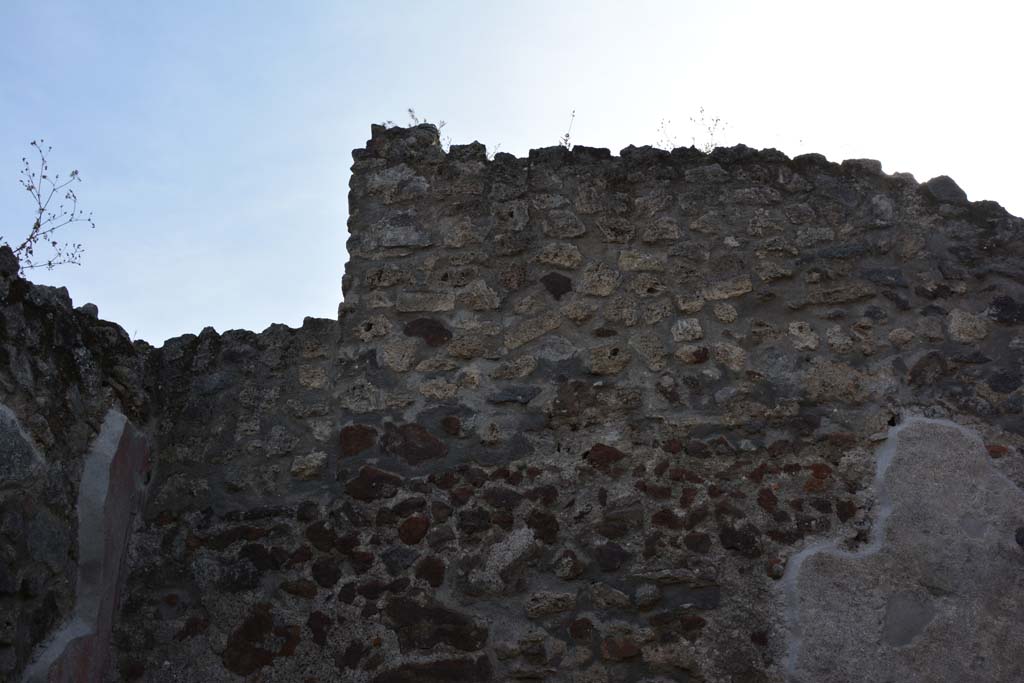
(214, 138)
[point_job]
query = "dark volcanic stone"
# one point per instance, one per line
(353, 654)
(373, 484)
(697, 542)
(424, 627)
(602, 457)
(440, 671)
(557, 284)
(431, 569)
(743, 540)
(413, 443)
(432, 331)
(1004, 381)
(398, 559)
(944, 189)
(244, 654)
(886, 277)
(260, 556)
(326, 571)
(451, 425)
(611, 556)
(544, 525)
(304, 588)
(618, 648)
(928, 369)
(357, 438)
(514, 394)
(502, 498)
(319, 624)
(1006, 310)
(412, 530)
(474, 521)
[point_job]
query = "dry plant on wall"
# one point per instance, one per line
(566, 140)
(444, 140)
(40, 248)
(710, 129)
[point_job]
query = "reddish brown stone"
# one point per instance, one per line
(691, 626)
(461, 495)
(244, 653)
(696, 516)
(432, 331)
(683, 474)
(304, 588)
(697, 542)
(673, 446)
(413, 443)
(413, 529)
(997, 450)
(431, 569)
(815, 485)
(757, 474)
(687, 496)
(619, 648)
(451, 425)
(581, 629)
(820, 470)
(319, 624)
(326, 571)
(767, 500)
(357, 438)
(544, 525)
(845, 510)
(743, 540)
(603, 458)
(291, 636)
(322, 537)
(666, 518)
(546, 495)
(373, 484)
(300, 556)
(655, 491)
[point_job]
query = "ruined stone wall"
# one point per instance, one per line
(62, 371)
(595, 418)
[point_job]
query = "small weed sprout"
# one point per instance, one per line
(566, 140)
(709, 126)
(666, 140)
(446, 140)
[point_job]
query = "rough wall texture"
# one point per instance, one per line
(61, 370)
(577, 416)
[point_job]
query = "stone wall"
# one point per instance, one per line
(577, 416)
(62, 373)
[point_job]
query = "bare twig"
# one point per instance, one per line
(565, 140)
(47, 219)
(710, 126)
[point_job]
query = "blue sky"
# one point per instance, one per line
(214, 138)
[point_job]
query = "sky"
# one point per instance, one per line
(214, 139)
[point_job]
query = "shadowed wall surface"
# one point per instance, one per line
(576, 416)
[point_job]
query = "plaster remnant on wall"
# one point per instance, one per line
(938, 593)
